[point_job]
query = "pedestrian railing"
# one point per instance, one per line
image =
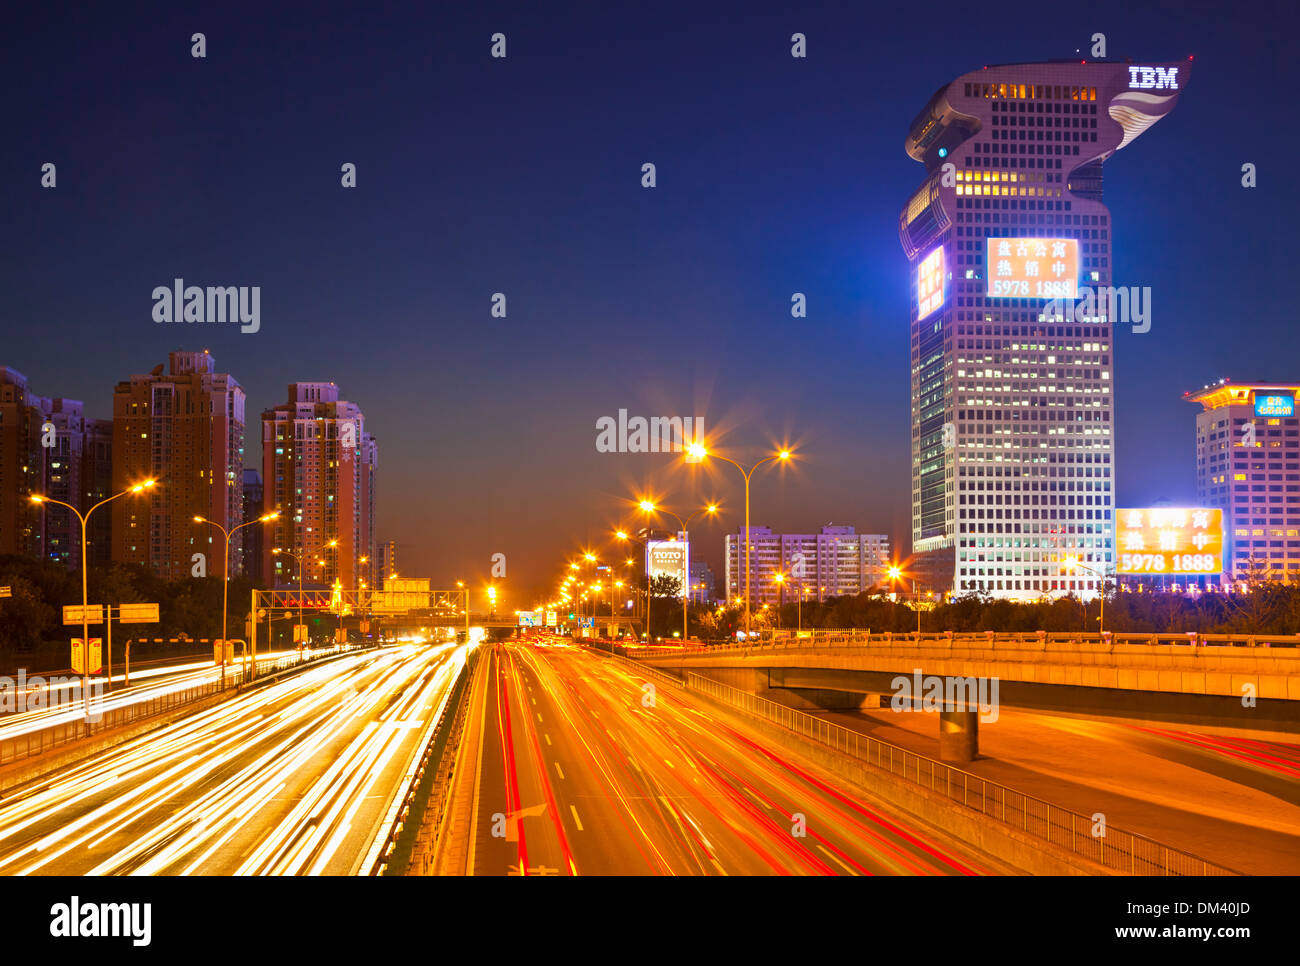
(1038, 639)
(1113, 848)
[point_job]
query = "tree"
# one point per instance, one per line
(24, 617)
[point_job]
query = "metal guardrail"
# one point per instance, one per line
(1117, 849)
(35, 743)
(1038, 639)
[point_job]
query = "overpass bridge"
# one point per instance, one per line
(1231, 680)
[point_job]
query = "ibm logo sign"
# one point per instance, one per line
(1147, 78)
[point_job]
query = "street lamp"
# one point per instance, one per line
(298, 560)
(780, 602)
(694, 454)
(645, 552)
(85, 564)
(225, 583)
(1072, 563)
(649, 507)
(896, 573)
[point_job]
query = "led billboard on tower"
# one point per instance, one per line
(1033, 268)
(929, 283)
(1163, 540)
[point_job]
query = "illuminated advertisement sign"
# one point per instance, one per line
(929, 283)
(1163, 540)
(667, 558)
(1033, 268)
(529, 618)
(1283, 405)
(1153, 78)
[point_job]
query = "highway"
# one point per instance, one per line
(50, 704)
(581, 771)
(293, 777)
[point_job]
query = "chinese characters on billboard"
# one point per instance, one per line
(1274, 405)
(929, 283)
(1033, 268)
(1162, 540)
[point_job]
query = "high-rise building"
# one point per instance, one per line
(702, 582)
(184, 428)
(78, 471)
(1248, 465)
(254, 536)
(49, 447)
(1013, 456)
(319, 463)
(22, 466)
(837, 562)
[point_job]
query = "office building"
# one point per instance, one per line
(837, 562)
(1248, 465)
(1012, 401)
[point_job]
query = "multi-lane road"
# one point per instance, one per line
(579, 768)
(293, 777)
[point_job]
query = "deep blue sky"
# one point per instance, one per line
(522, 175)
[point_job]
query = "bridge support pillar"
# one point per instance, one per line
(959, 735)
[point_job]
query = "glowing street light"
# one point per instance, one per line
(696, 453)
(85, 563)
(649, 507)
(225, 583)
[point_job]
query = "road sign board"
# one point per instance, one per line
(79, 656)
(6, 591)
(138, 613)
(72, 614)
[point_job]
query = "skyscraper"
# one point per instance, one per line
(319, 464)
(1012, 410)
(837, 562)
(1248, 465)
(184, 428)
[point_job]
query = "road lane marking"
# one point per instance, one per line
(831, 855)
(559, 769)
(539, 716)
(576, 821)
(547, 737)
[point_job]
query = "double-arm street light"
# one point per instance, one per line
(1072, 563)
(225, 582)
(649, 507)
(622, 535)
(85, 565)
(695, 453)
(298, 560)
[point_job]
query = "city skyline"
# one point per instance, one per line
(606, 314)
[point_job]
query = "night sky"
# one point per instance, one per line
(478, 175)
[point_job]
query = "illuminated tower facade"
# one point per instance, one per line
(1012, 403)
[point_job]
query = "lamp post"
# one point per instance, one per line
(85, 565)
(644, 552)
(649, 507)
(225, 582)
(298, 560)
(780, 600)
(1072, 563)
(896, 573)
(696, 453)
